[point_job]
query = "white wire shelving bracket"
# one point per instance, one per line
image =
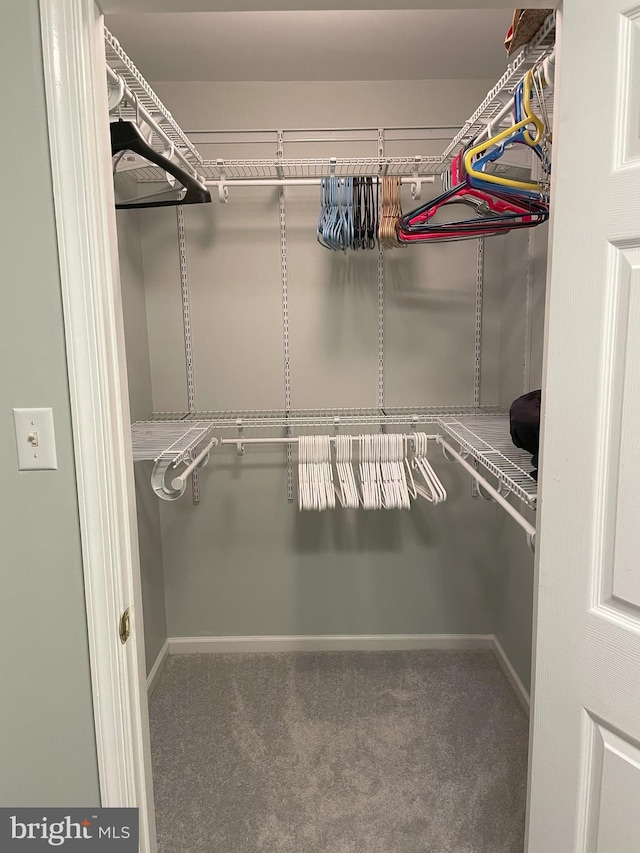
(488, 442)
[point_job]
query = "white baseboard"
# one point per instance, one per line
(512, 676)
(328, 643)
(156, 669)
(339, 643)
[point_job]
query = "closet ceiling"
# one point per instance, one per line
(315, 45)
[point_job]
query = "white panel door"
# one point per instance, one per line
(585, 769)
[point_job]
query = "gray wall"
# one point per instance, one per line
(520, 371)
(521, 349)
(313, 104)
(141, 405)
(47, 744)
(245, 561)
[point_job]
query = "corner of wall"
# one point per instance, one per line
(141, 403)
(524, 272)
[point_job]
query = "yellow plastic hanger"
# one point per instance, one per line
(481, 148)
(528, 111)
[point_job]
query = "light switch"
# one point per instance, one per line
(35, 439)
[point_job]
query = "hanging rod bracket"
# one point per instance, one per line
(240, 444)
(223, 189)
(447, 455)
(483, 493)
(416, 186)
(115, 92)
(178, 483)
(463, 452)
(280, 153)
(502, 488)
(158, 483)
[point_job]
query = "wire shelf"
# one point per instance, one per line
(318, 167)
(539, 48)
(169, 440)
(482, 431)
(122, 64)
(488, 440)
(322, 418)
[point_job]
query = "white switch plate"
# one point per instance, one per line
(35, 439)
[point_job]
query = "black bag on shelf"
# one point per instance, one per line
(524, 417)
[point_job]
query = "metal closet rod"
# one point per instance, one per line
(528, 528)
(292, 439)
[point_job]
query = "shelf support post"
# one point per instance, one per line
(285, 318)
(188, 343)
(381, 394)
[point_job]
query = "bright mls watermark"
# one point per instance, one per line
(27, 830)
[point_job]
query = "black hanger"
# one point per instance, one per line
(125, 136)
(357, 214)
(371, 222)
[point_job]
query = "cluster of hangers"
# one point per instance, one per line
(499, 200)
(500, 203)
(390, 212)
(387, 474)
(185, 189)
(359, 212)
(348, 213)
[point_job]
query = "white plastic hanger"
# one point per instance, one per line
(432, 490)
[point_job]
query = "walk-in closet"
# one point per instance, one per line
(336, 530)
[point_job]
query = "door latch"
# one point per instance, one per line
(125, 627)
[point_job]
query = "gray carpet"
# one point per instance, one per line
(341, 752)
